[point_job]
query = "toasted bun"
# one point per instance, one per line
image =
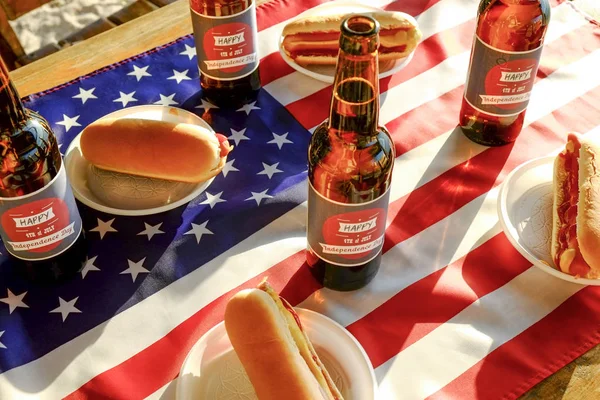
(331, 23)
(305, 347)
(154, 149)
(588, 217)
(264, 344)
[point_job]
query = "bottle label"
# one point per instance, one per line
(500, 82)
(226, 46)
(42, 224)
(346, 234)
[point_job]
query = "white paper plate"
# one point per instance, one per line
(77, 166)
(525, 212)
(326, 73)
(212, 370)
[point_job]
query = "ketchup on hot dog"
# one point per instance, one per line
(567, 212)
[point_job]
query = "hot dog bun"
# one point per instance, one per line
(331, 23)
(315, 39)
(274, 350)
(588, 218)
(577, 201)
(328, 60)
(154, 149)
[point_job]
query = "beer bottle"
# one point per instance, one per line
(350, 161)
(39, 221)
(504, 61)
(226, 40)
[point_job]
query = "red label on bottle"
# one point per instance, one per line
(226, 46)
(346, 234)
(500, 82)
(42, 224)
(38, 226)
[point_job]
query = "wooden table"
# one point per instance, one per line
(578, 380)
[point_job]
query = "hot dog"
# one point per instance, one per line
(576, 208)
(315, 39)
(278, 357)
(155, 149)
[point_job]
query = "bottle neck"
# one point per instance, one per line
(355, 101)
(12, 112)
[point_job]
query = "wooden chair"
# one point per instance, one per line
(10, 47)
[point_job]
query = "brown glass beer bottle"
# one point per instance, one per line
(350, 161)
(504, 61)
(227, 50)
(39, 221)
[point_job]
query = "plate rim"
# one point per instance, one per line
(400, 63)
(200, 187)
(300, 311)
(512, 235)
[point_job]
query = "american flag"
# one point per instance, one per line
(455, 311)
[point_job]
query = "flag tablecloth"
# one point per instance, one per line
(455, 312)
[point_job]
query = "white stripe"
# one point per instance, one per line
(425, 87)
(68, 367)
(294, 86)
(434, 361)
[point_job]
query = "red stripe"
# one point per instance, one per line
(445, 109)
(539, 351)
(276, 11)
(430, 302)
(273, 67)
